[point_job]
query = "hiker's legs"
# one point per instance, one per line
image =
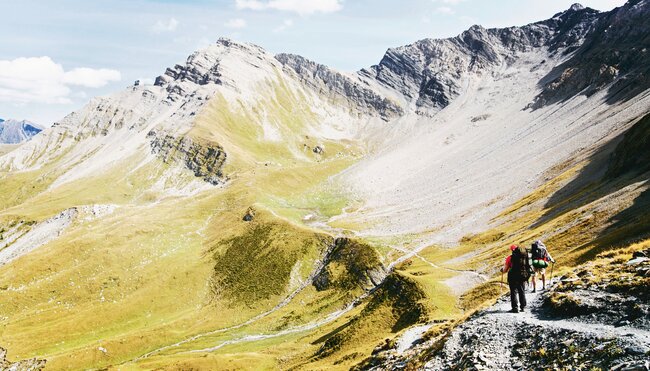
(544, 280)
(513, 293)
(522, 295)
(533, 278)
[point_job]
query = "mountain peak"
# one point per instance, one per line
(203, 66)
(576, 6)
(15, 131)
(573, 9)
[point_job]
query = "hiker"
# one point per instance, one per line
(541, 258)
(518, 269)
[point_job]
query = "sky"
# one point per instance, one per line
(57, 54)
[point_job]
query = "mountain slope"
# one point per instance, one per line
(492, 132)
(13, 131)
(251, 208)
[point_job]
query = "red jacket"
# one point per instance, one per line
(508, 264)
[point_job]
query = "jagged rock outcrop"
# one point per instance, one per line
(322, 78)
(32, 364)
(250, 215)
(429, 73)
(226, 65)
(205, 160)
(14, 131)
(615, 50)
(349, 265)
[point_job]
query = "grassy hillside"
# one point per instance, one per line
(165, 268)
(253, 272)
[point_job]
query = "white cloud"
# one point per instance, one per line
(469, 21)
(286, 24)
(90, 77)
(302, 7)
(446, 7)
(146, 81)
(169, 25)
(203, 42)
(41, 80)
(236, 23)
(445, 10)
(250, 4)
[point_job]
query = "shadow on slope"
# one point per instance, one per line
(614, 166)
(622, 163)
(396, 304)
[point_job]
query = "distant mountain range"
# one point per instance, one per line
(14, 131)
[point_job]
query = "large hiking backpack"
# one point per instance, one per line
(535, 251)
(538, 252)
(520, 269)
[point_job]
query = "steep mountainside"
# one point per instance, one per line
(13, 131)
(267, 211)
(429, 74)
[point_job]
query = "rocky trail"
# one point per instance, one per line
(497, 339)
(596, 317)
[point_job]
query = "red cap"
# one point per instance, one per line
(513, 247)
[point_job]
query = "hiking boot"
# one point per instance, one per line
(522, 309)
(534, 290)
(513, 311)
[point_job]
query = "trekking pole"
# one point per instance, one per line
(501, 285)
(552, 266)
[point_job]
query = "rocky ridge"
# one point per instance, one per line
(613, 54)
(33, 364)
(489, 113)
(430, 73)
(206, 161)
(358, 97)
(14, 131)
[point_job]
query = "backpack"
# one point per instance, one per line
(536, 251)
(521, 269)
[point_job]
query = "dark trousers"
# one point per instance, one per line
(517, 290)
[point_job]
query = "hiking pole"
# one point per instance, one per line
(552, 266)
(501, 285)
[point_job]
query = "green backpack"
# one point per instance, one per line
(540, 263)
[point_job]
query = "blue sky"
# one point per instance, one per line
(57, 54)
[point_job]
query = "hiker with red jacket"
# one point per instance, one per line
(518, 269)
(541, 258)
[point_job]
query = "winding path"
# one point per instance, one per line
(407, 254)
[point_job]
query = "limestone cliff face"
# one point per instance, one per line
(341, 87)
(614, 51)
(429, 73)
(205, 160)
(218, 64)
